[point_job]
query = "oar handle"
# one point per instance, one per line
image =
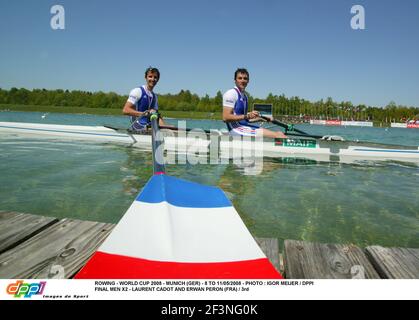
(274, 121)
(287, 127)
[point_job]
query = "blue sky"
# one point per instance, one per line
(302, 48)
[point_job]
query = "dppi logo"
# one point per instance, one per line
(27, 290)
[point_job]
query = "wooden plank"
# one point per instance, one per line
(16, 228)
(270, 248)
(394, 263)
(306, 260)
(57, 252)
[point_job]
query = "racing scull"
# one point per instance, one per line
(298, 145)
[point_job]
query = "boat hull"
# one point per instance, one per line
(223, 145)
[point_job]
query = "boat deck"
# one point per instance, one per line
(38, 247)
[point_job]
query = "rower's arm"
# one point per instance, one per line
(228, 115)
(129, 110)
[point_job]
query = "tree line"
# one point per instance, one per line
(292, 107)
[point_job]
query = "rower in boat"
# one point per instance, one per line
(142, 101)
(235, 110)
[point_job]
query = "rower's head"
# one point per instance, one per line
(152, 76)
(241, 77)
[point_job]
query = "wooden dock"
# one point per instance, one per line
(40, 247)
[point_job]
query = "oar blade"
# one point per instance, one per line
(177, 229)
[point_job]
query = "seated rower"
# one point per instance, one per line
(235, 110)
(142, 101)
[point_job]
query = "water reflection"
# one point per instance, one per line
(292, 198)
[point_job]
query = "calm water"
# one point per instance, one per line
(374, 203)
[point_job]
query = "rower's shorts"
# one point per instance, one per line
(136, 127)
(245, 131)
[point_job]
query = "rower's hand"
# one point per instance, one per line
(147, 113)
(253, 115)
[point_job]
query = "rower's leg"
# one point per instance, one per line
(272, 134)
(163, 124)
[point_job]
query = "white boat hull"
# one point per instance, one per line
(222, 145)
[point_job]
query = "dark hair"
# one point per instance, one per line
(153, 70)
(241, 70)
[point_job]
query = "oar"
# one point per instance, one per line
(304, 135)
(156, 145)
(176, 229)
(287, 127)
(184, 129)
(115, 128)
(300, 133)
(125, 130)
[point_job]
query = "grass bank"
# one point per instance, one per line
(106, 111)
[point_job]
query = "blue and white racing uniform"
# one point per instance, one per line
(237, 100)
(143, 100)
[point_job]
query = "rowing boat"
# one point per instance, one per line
(224, 145)
(176, 229)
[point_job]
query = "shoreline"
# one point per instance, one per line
(106, 111)
(168, 114)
